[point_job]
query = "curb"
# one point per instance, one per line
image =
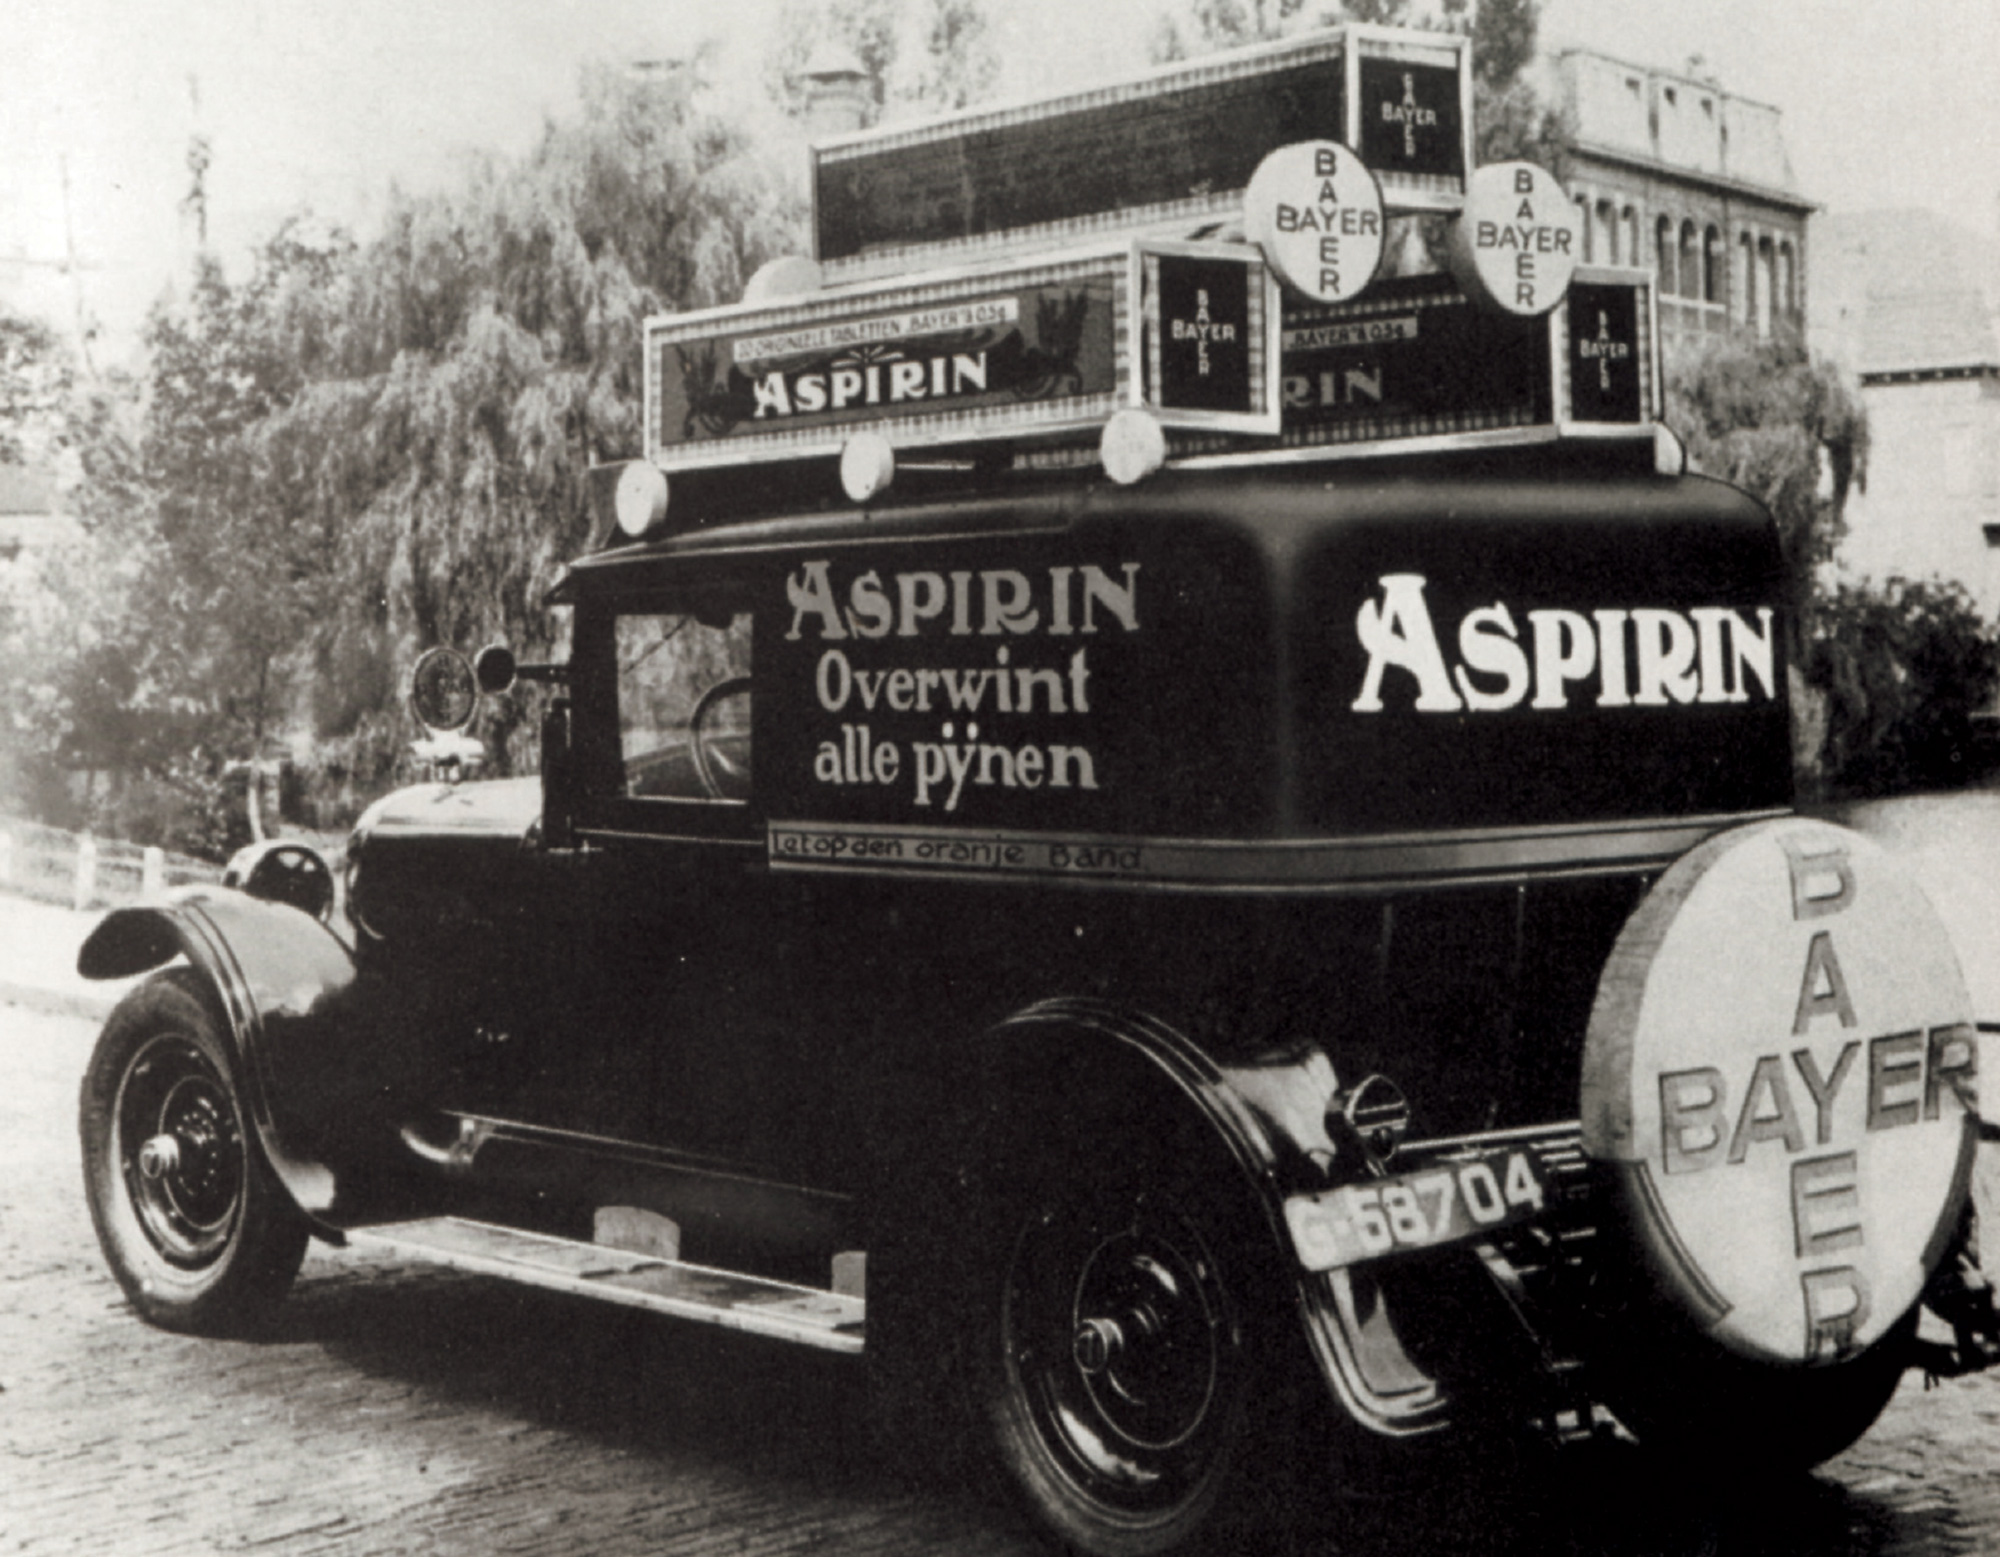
(50, 1002)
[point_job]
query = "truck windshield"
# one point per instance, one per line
(684, 707)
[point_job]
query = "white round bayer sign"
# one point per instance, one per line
(1517, 242)
(1779, 1070)
(1316, 210)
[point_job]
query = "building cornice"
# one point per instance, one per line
(1959, 371)
(1660, 73)
(1696, 179)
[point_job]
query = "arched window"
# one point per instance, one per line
(1607, 223)
(1767, 285)
(1788, 281)
(1712, 259)
(1663, 256)
(1633, 250)
(1583, 210)
(1743, 306)
(1690, 261)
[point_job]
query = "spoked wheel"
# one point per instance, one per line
(1117, 1376)
(197, 1230)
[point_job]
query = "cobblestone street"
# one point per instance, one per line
(398, 1409)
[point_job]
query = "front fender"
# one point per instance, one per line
(291, 996)
(1268, 1118)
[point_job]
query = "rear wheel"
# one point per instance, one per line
(1114, 1366)
(192, 1221)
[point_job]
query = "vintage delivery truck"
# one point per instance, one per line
(1284, 915)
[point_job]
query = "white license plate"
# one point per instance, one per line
(1420, 1209)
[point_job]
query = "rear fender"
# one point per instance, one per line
(1267, 1119)
(286, 986)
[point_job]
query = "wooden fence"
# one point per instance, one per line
(79, 871)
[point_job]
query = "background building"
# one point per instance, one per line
(1674, 173)
(1907, 304)
(30, 517)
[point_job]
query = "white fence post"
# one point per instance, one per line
(153, 874)
(86, 871)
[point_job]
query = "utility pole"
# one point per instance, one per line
(199, 155)
(75, 269)
(71, 264)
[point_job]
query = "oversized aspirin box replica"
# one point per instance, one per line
(1169, 151)
(1044, 348)
(1416, 358)
(1780, 1070)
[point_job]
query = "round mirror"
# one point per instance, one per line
(444, 694)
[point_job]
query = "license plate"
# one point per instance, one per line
(1421, 1209)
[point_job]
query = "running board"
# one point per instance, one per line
(808, 1316)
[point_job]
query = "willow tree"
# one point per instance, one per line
(918, 56)
(1779, 422)
(366, 448)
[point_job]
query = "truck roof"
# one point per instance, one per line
(745, 513)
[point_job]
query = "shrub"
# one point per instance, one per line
(1903, 668)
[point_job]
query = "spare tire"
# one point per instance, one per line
(1778, 1090)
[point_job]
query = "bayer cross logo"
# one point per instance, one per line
(1410, 114)
(1205, 329)
(1203, 332)
(1604, 349)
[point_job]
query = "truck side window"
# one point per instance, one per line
(684, 707)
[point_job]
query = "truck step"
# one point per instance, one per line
(808, 1316)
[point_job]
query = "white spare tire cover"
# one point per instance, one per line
(1779, 1071)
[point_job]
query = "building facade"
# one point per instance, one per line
(1908, 306)
(31, 519)
(1671, 172)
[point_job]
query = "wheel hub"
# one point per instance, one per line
(1150, 1359)
(160, 1157)
(185, 1176)
(1121, 1340)
(1098, 1344)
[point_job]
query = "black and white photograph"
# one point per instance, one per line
(898, 777)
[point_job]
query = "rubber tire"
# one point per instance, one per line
(259, 1240)
(1085, 1200)
(1736, 1420)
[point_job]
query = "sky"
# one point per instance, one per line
(320, 104)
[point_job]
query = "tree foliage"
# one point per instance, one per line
(356, 449)
(360, 449)
(1204, 25)
(1509, 119)
(959, 62)
(1779, 422)
(1890, 675)
(920, 56)
(1903, 667)
(36, 378)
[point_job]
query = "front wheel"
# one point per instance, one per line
(1115, 1367)
(192, 1221)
